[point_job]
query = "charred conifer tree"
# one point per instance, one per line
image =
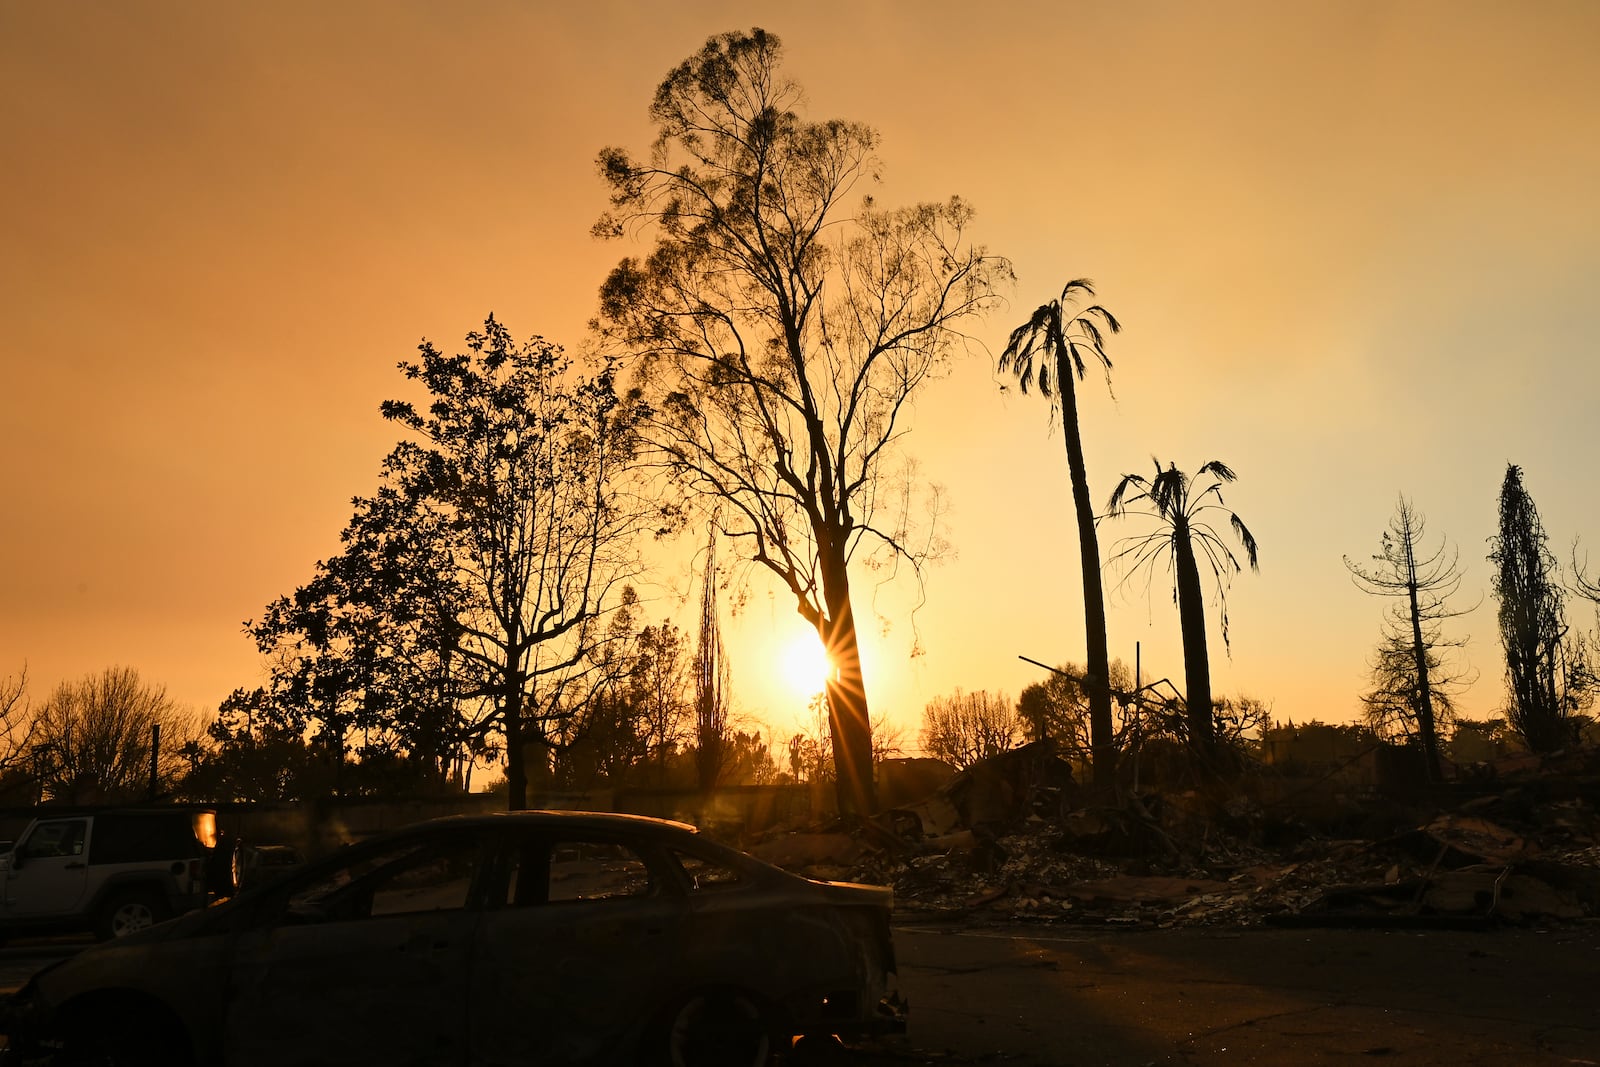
(1412, 682)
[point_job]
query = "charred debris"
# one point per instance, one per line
(1016, 837)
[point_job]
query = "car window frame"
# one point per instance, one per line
(666, 877)
(270, 907)
(746, 875)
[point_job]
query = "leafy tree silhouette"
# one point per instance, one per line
(1548, 676)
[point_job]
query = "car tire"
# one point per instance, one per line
(717, 1028)
(121, 1035)
(129, 912)
(815, 1050)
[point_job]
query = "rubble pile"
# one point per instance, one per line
(1015, 839)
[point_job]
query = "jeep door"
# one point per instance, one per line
(48, 874)
(366, 963)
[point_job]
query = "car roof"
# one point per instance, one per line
(567, 820)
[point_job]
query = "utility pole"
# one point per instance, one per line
(155, 753)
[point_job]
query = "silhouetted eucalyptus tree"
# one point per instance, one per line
(1546, 677)
(1049, 349)
(1181, 503)
(1411, 680)
(780, 332)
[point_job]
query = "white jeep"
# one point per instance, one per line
(110, 871)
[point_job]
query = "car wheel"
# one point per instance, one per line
(123, 1036)
(128, 913)
(718, 1028)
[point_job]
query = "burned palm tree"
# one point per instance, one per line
(1049, 350)
(1183, 506)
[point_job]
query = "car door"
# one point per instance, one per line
(580, 949)
(365, 963)
(48, 874)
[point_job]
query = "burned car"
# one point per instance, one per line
(517, 938)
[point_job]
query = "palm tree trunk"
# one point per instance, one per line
(1196, 659)
(1101, 742)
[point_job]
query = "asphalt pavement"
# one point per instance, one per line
(1059, 997)
(1041, 996)
(20, 959)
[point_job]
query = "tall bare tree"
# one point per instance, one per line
(963, 728)
(1412, 683)
(17, 722)
(1182, 505)
(1050, 349)
(95, 737)
(781, 327)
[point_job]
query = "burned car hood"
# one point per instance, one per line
(854, 893)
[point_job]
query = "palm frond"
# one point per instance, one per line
(1034, 349)
(1247, 539)
(1088, 326)
(1109, 319)
(1077, 285)
(1182, 508)
(1116, 505)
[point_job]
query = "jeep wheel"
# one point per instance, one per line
(128, 913)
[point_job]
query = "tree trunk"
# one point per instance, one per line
(516, 758)
(1196, 659)
(1419, 649)
(1101, 741)
(848, 719)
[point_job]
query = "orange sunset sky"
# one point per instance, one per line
(1354, 246)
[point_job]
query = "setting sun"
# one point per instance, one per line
(805, 664)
